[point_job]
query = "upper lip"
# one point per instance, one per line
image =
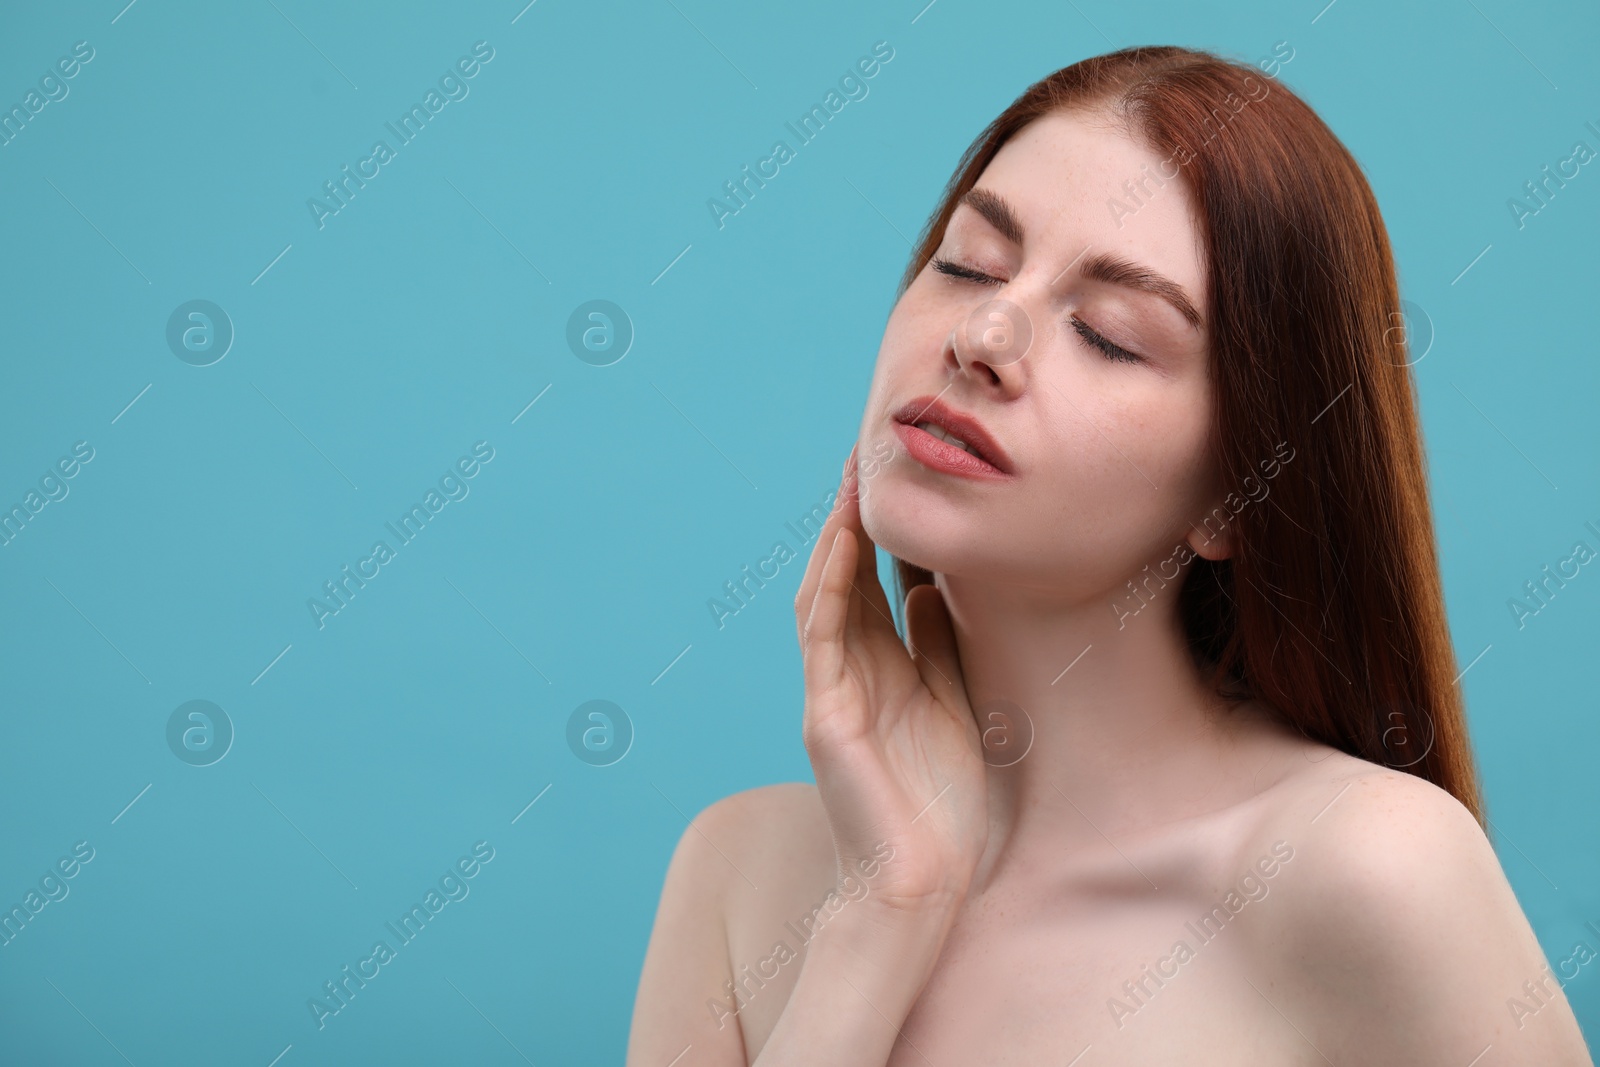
(932, 409)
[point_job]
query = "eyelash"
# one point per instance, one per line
(1115, 353)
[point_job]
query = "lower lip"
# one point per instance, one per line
(943, 456)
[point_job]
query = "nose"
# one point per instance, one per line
(991, 344)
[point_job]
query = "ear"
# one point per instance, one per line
(1212, 541)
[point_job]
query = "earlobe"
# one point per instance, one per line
(1209, 545)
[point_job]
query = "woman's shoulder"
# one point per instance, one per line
(775, 839)
(754, 815)
(1369, 817)
(1370, 843)
(1394, 909)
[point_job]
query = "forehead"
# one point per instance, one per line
(1073, 181)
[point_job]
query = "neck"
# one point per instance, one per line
(1125, 732)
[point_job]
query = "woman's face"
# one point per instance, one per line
(1106, 460)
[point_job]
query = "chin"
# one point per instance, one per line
(919, 531)
(927, 529)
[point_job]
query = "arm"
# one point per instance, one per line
(858, 978)
(889, 731)
(688, 956)
(861, 975)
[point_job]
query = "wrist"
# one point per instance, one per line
(906, 915)
(891, 946)
(861, 972)
(918, 903)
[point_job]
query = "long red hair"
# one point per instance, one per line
(1331, 609)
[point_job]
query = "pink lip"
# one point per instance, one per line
(991, 460)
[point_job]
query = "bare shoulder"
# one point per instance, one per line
(775, 799)
(753, 819)
(772, 840)
(767, 837)
(1397, 938)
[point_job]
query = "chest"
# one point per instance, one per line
(1117, 980)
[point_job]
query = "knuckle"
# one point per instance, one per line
(817, 733)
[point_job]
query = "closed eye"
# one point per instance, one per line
(1113, 352)
(956, 270)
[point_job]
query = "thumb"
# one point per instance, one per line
(931, 640)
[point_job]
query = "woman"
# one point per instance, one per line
(1170, 766)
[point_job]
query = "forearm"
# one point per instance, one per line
(861, 975)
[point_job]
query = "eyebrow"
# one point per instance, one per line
(1101, 267)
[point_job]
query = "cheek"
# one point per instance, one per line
(910, 337)
(1128, 469)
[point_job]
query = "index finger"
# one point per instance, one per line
(812, 578)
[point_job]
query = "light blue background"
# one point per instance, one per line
(423, 317)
